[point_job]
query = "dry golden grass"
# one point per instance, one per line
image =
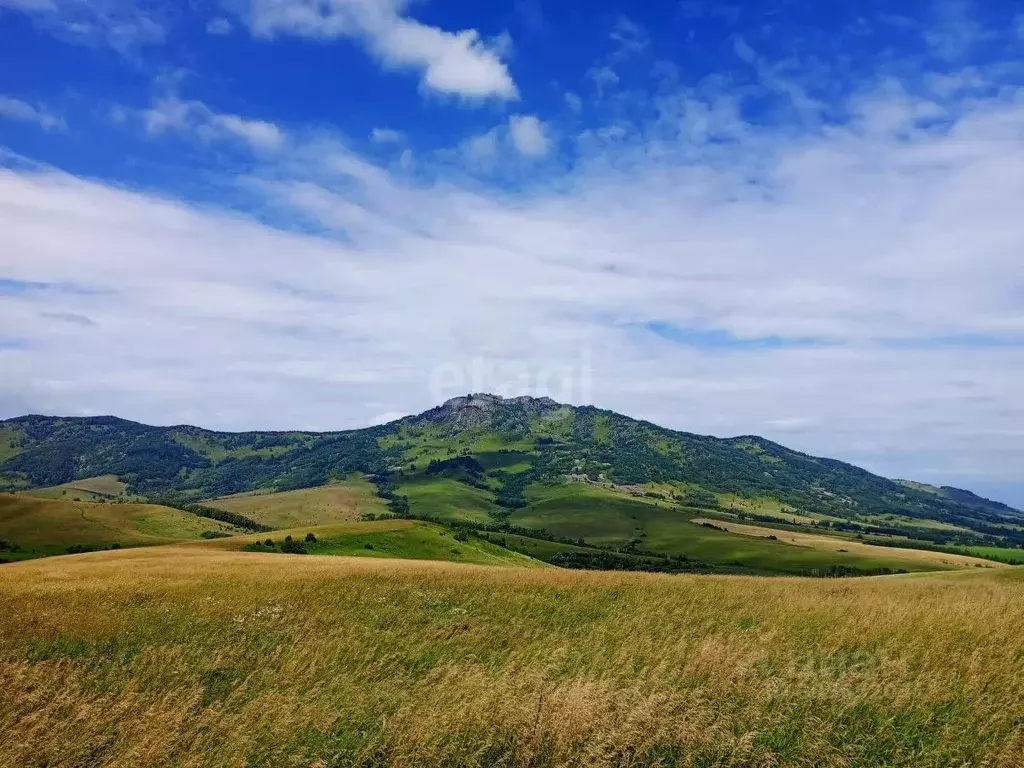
(826, 543)
(192, 656)
(335, 503)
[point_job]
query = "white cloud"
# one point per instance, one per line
(529, 136)
(954, 31)
(257, 133)
(459, 63)
(124, 25)
(168, 114)
(632, 38)
(852, 291)
(481, 150)
(602, 77)
(173, 114)
(574, 103)
(219, 26)
(16, 109)
(386, 136)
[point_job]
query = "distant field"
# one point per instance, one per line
(545, 550)
(448, 499)
(404, 539)
(771, 508)
(902, 521)
(1008, 554)
(325, 504)
(88, 489)
(601, 516)
(894, 557)
(49, 526)
(194, 656)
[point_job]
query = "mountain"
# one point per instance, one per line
(525, 463)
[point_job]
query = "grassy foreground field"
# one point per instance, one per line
(189, 655)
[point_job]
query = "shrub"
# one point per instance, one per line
(311, 537)
(698, 497)
(291, 547)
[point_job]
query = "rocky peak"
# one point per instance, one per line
(466, 411)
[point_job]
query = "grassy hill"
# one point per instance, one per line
(402, 539)
(85, 489)
(37, 527)
(192, 655)
(335, 503)
(530, 466)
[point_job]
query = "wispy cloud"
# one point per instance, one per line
(16, 109)
(631, 38)
(219, 26)
(193, 117)
(839, 282)
(460, 63)
(386, 136)
(124, 25)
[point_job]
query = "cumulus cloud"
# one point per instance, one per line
(16, 109)
(173, 114)
(460, 63)
(529, 136)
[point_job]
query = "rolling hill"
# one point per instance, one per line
(532, 467)
(35, 527)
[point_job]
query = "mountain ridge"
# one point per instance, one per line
(48, 450)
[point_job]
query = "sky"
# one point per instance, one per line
(793, 219)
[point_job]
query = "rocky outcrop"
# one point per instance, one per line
(467, 411)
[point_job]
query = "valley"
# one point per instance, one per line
(531, 468)
(494, 583)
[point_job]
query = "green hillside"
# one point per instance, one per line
(401, 539)
(533, 467)
(34, 527)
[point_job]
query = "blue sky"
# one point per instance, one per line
(801, 220)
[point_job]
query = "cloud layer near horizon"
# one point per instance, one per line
(851, 290)
(829, 260)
